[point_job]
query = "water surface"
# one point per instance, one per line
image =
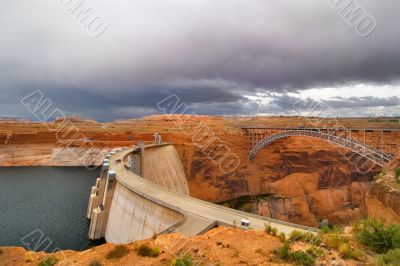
(46, 205)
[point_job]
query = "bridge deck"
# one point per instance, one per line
(321, 128)
(199, 215)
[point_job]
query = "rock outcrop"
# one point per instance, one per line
(383, 199)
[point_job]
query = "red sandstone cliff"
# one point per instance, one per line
(309, 180)
(383, 199)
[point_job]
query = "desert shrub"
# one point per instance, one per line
(302, 258)
(335, 240)
(296, 235)
(391, 258)
(154, 236)
(282, 237)
(268, 228)
(117, 252)
(298, 257)
(274, 231)
(316, 252)
(185, 260)
(374, 234)
(284, 251)
(48, 261)
(351, 253)
(329, 230)
(146, 251)
(1, 251)
(305, 237)
(95, 262)
(316, 240)
(397, 172)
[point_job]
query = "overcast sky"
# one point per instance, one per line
(229, 57)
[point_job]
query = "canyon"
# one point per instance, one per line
(306, 180)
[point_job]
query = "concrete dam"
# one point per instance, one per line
(143, 191)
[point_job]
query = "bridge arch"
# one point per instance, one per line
(368, 152)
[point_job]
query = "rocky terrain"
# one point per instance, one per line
(307, 180)
(220, 246)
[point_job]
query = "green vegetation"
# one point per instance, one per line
(316, 252)
(117, 252)
(268, 228)
(284, 251)
(374, 234)
(298, 257)
(369, 232)
(351, 253)
(391, 258)
(301, 258)
(330, 230)
(296, 235)
(397, 173)
(95, 262)
(335, 240)
(185, 260)
(282, 237)
(146, 251)
(48, 261)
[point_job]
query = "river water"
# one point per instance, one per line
(44, 208)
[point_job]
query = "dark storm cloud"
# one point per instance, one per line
(368, 101)
(211, 53)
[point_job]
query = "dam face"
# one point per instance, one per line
(134, 217)
(121, 215)
(163, 167)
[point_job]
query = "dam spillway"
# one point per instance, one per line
(143, 191)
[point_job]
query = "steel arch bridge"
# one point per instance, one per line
(376, 145)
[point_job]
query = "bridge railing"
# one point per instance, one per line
(364, 150)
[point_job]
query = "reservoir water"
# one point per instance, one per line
(44, 208)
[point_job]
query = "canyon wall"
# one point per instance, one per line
(307, 179)
(383, 199)
(384, 202)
